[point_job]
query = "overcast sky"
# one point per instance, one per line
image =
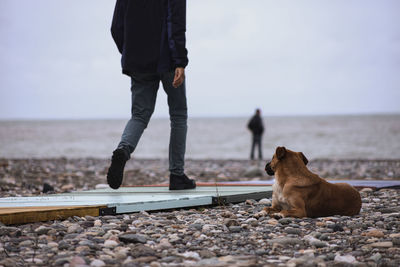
(58, 60)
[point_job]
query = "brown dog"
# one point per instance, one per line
(297, 192)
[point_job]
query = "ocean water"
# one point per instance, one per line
(355, 137)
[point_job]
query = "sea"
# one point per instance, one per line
(328, 137)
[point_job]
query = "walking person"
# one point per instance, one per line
(150, 35)
(256, 127)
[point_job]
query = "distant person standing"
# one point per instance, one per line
(150, 35)
(256, 127)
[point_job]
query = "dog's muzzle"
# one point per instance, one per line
(268, 169)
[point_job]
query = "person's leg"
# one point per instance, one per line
(253, 144)
(260, 147)
(144, 92)
(178, 117)
(177, 144)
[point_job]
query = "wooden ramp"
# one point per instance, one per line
(19, 210)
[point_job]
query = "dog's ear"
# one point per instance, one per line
(305, 160)
(280, 152)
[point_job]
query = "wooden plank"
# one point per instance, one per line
(21, 215)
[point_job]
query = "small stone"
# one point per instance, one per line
(6, 230)
(35, 260)
(285, 241)
(260, 214)
(74, 229)
(196, 226)
(394, 235)
(60, 262)
(235, 229)
(250, 202)
(164, 244)
(293, 231)
(231, 222)
(376, 257)
(191, 255)
(52, 245)
(396, 241)
(132, 238)
(375, 233)
(205, 253)
(366, 190)
(337, 228)
(272, 222)
(67, 187)
(146, 259)
(120, 255)
(346, 259)
(77, 261)
(110, 244)
(86, 224)
(42, 230)
(318, 244)
(63, 245)
(97, 263)
(155, 264)
(142, 251)
(225, 214)
(324, 237)
(265, 201)
(101, 186)
(26, 243)
(285, 221)
(382, 245)
(261, 252)
(252, 222)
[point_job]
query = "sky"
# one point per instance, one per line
(58, 60)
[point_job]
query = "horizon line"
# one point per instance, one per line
(206, 116)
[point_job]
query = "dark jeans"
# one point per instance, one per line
(144, 93)
(256, 142)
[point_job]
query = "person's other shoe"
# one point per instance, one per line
(181, 182)
(116, 171)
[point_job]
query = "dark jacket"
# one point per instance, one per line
(255, 125)
(150, 35)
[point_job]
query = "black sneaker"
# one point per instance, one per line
(181, 182)
(116, 170)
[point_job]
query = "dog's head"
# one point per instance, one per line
(283, 154)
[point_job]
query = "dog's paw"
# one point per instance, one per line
(271, 210)
(278, 215)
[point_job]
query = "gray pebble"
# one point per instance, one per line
(293, 231)
(235, 229)
(132, 238)
(285, 221)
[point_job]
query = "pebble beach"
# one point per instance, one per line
(231, 235)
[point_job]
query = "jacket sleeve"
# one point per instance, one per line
(117, 25)
(176, 20)
(250, 124)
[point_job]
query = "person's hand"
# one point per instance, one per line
(179, 77)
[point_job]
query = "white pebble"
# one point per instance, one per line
(346, 258)
(97, 263)
(110, 244)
